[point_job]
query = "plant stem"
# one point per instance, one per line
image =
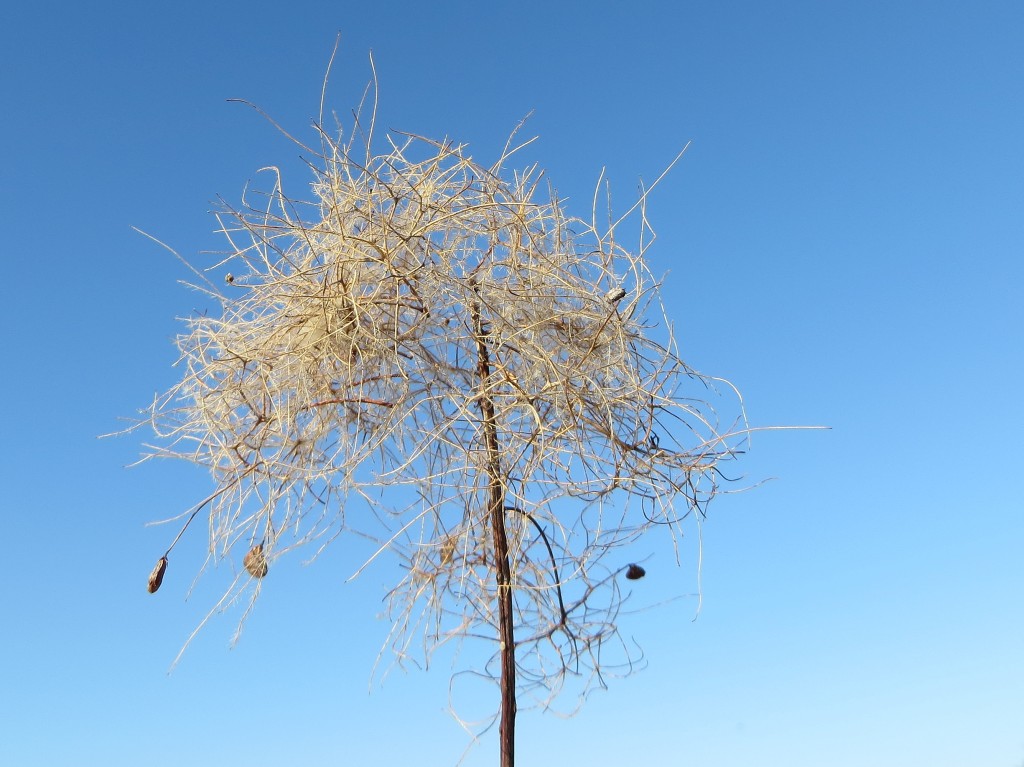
(502, 570)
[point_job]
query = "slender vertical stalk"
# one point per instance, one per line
(502, 570)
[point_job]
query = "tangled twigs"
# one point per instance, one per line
(433, 344)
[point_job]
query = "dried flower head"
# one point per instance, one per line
(157, 576)
(256, 562)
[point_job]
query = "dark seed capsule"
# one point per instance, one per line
(255, 562)
(635, 572)
(157, 576)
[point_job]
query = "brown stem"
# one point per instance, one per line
(502, 570)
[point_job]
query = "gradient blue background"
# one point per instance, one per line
(843, 241)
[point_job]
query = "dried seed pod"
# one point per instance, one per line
(447, 550)
(255, 562)
(635, 572)
(157, 576)
(615, 295)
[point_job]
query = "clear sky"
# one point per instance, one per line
(843, 241)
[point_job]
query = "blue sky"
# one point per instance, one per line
(843, 241)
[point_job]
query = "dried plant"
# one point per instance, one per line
(433, 352)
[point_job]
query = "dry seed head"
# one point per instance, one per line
(635, 572)
(255, 562)
(157, 576)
